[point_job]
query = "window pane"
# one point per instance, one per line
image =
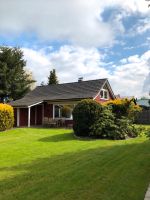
(105, 95)
(67, 111)
(56, 111)
(101, 94)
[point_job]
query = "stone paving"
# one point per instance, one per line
(147, 195)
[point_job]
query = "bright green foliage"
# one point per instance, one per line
(52, 79)
(51, 164)
(14, 80)
(146, 130)
(6, 117)
(148, 133)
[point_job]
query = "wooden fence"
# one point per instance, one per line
(144, 117)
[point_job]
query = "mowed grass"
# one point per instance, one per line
(51, 164)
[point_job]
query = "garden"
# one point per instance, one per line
(89, 163)
(113, 119)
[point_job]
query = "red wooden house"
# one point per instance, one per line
(48, 101)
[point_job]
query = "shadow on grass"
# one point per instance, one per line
(118, 172)
(58, 138)
(66, 137)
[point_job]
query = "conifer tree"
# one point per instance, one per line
(52, 79)
(15, 82)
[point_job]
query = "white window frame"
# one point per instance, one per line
(70, 118)
(58, 111)
(104, 90)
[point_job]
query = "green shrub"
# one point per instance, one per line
(85, 114)
(125, 128)
(6, 117)
(92, 119)
(104, 126)
(124, 107)
(146, 131)
(110, 127)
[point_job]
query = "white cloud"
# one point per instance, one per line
(38, 63)
(133, 59)
(77, 21)
(141, 27)
(123, 61)
(130, 78)
(70, 62)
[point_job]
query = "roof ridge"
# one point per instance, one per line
(73, 82)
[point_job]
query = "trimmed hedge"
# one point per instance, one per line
(6, 117)
(85, 114)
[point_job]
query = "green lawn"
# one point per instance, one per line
(50, 164)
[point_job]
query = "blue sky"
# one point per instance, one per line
(93, 39)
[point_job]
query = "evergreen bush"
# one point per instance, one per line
(92, 119)
(85, 114)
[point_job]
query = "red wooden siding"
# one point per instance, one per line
(98, 99)
(48, 110)
(23, 116)
(32, 117)
(15, 117)
(39, 115)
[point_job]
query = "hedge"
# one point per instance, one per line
(6, 117)
(85, 114)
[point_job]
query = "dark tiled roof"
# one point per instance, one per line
(66, 91)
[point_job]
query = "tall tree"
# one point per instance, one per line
(52, 79)
(15, 82)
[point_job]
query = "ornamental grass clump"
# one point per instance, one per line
(6, 117)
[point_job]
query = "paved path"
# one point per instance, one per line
(147, 195)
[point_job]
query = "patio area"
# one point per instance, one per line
(57, 123)
(47, 114)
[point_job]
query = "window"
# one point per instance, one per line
(101, 93)
(57, 111)
(63, 111)
(104, 94)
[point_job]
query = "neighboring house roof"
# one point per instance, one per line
(66, 91)
(143, 102)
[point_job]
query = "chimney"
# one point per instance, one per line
(80, 79)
